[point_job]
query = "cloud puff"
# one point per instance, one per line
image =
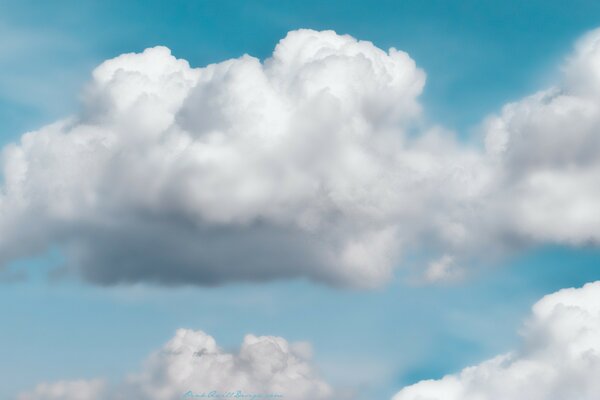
(546, 151)
(314, 163)
(559, 359)
(191, 363)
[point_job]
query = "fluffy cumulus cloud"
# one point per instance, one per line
(191, 364)
(314, 163)
(547, 147)
(559, 359)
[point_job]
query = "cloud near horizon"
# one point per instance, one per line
(315, 163)
(559, 358)
(192, 363)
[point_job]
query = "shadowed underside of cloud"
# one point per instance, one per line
(314, 163)
(559, 359)
(191, 364)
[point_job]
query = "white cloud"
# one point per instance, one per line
(547, 149)
(559, 359)
(314, 163)
(299, 166)
(192, 363)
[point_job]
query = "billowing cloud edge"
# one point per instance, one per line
(559, 357)
(192, 365)
(315, 163)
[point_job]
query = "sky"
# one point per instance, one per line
(78, 303)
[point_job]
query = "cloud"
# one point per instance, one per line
(241, 170)
(192, 363)
(443, 270)
(546, 147)
(315, 163)
(559, 358)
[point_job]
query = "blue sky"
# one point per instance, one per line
(478, 55)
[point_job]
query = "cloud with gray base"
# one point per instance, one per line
(315, 163)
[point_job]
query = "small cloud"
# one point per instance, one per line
(192, 363)
(443, 270)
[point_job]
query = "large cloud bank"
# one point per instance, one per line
(191, 365)
(314, 163)
(559, 359)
